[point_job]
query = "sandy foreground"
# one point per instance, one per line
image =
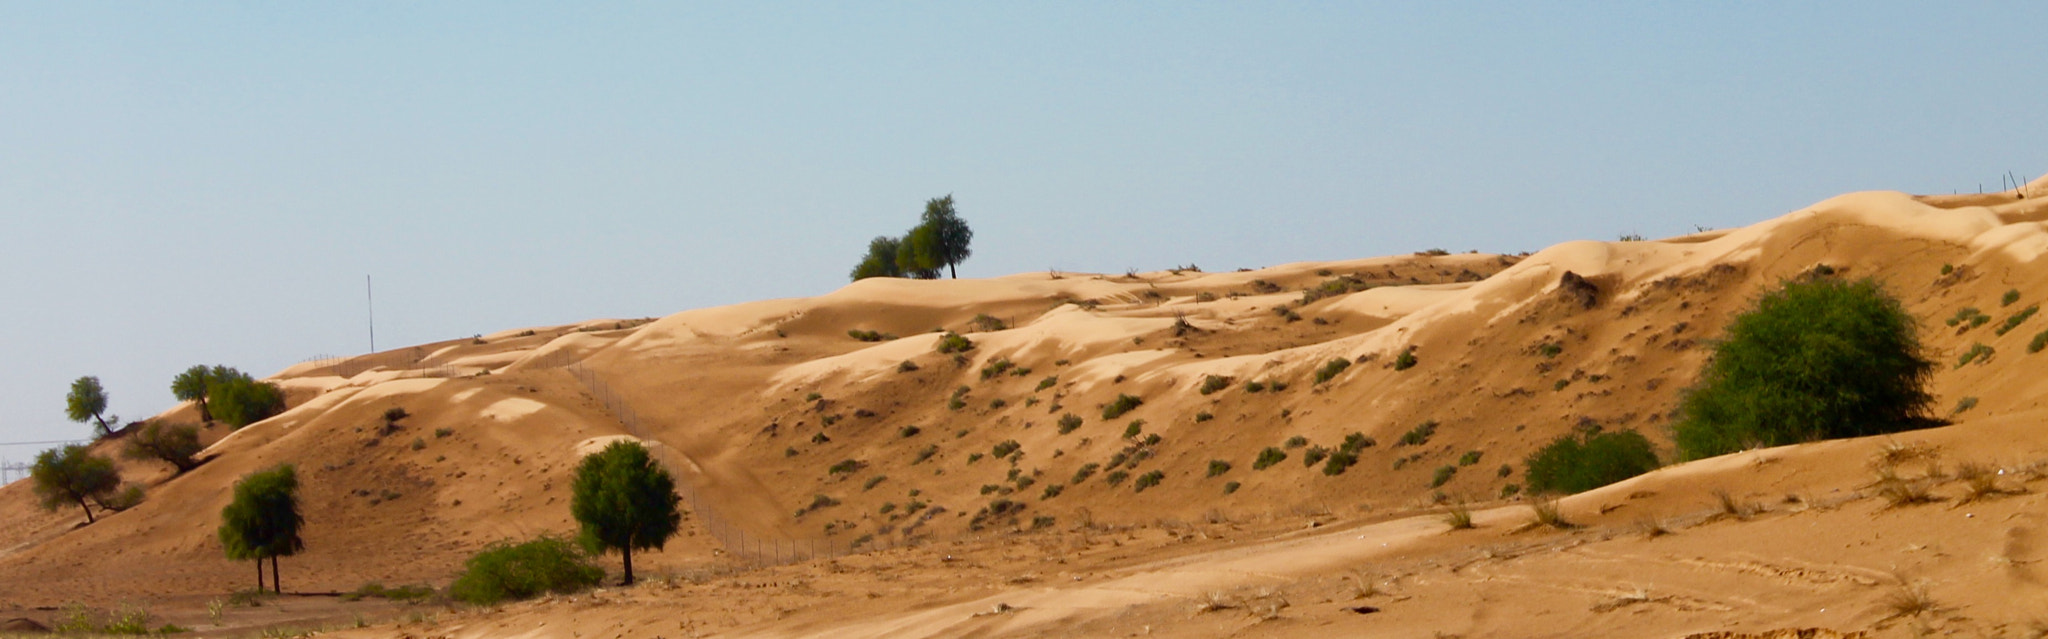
(993, 518)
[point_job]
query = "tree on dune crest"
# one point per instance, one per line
(880, 260)
(1817, 358)
(88, 400)
(191, 386)
(940, 240)
(950, 234)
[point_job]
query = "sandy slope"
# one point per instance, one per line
(758, 400)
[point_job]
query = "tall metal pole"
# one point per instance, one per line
(372, 295)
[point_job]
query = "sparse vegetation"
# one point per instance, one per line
(1978, 353)
(1459, 517)
(1084, 472)
(1419, 435)
(1147, 480)
(1442, 475)
(996, 367)
(1203, 417)
(1314, 455)
(1550, 350)
(2017, 318)
(1122, 404)
(1269, 457)
(1582, 461)
(1469, 458)
(1046, 383)
(1331, 368)
(1231, 487)
(1068, 423)
(2011, 295)
(952, 342)
(1115, 477)
(1254, 387)
(908, 432)
(1136, 428)
(872, 482)
(1406, 360)
(505, 572)
(1296, 441)
(845, 466)
(1817, 358)
(173, 443)
(1548, 512)
(1213, 383)
(1218, 467)
(1005, 448)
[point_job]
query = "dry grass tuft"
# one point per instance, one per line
(1459, 517)
(1732, 507)
(1651, 527)
(1363, 586)
(1981, 482)
(1910, 599)
(1214, 601)
(1899, 491)
(1548, 514)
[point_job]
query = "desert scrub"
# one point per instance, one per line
(1046, 383)
(1442, 475)
(2011, 295)
(1314, 455)
(996, 367)
(1122, 404)
(2014, 321)
(952, 342)
(1583, 461)
(1419, 435)
(1213, 383)
(1268, 457)
(1296, 441)
(1469, 458)
(1218, 467)
(1203, 417)
(987, 323)
(1549, 350)
(1068, 423)
(1136, 428)
(504, 571)
(1978, 353)
(906, 366)
(1967, 318)
(1406, 360)
(1339, 461)
(1115, 477)
(1255, 387)
(869, 336)
(924, 454)
(1147, 480)
(1331, 368)
(1005, 448)
(845, 466)
(872, 482)
(1084, 472)
(908, 432)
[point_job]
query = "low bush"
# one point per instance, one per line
(1419, 435)
(1136, 428)
(174, 443)
(1147, 480)
(1442, 475)
(1583, 461)
(1084, 472)
(1978, 353)
(870, 336)
(1254, 387)
(1231, 487)
(504, 571)
(1213, 383)
(872, 482)
(1469, 458)
(845, 466)
(2011, 295)
(996, 367)
(1314, 455)
(1269, 457)
(2014, 321)
(908, 432)
(1218, 467)
(1203, 417)
(1331, 369)
(987, 323)
(1296, 441)
(1116, 477)
(1069, 422)
(1046, 383)
(1356, 441)
(1405, 361)
(953, 342)
(1123, 404)
(1339, 461)
(1004, 448)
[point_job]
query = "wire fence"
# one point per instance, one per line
(748, 546)
(408, 362)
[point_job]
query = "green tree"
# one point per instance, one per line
(73, 475)
(240, 400)
(950, 235)
(263, 521)
(1817, 358)
(191, 386)
(917, 255)
(625, 501)
(174, 443)
(88, 400)
(880, 260)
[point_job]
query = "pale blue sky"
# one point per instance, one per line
(186, 183)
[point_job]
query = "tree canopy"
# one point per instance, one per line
(940, 240)
(88, 400)
(174, 443)
(263, 520)
(625, 501)
(73, 475)
(191, 386)
(241, 400)
(1817, 358)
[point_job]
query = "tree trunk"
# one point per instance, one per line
(629, 565)
(103, 424)
(87, 508)
(204, 414)
(955, 270)
(259, 574)
(276, 582)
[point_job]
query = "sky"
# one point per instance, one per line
(211, 182)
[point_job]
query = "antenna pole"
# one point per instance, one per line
(372, 295)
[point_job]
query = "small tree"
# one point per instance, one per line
(1818, 358)
(73, 475)
(950, 234)
(1588, 459)
(88, 400)
(625, 501)
(191, 386)
(264, 521)
(240, 400)
(880, 260)
(917, 255)
(174, 443)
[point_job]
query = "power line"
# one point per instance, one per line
(47, 443)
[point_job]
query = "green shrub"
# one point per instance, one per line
(174, 443)
(869, 336)
(241, 401)
(1331, 369)
(1004, 448)
(953, 342)
(1314, 455)
(908, 432)
(1215, 383)
(1339, 462)
(873, 481)
(997, 367)
(1269, 457)
(2040, 341)
(1123, 404)
(1419, 435)
(2014, 321)
(1218, 467)
(1583, 461)
(1116, 477)
(1254, 387)
(2011, 295)
(1817, 358)
(1296, 441)
(987, 323)
(924, 454)
(505, 571)
(1046, 383)
(1978, 353)
(1147, 480)
(1086, 470)
(1203, 417)
(906, 366)
(1276, 385)
(845, 466)
(1069, 422)
(1469, 458)
(1132, 431)
(1443, 475)
(1405, 361)
(1052, 490)
(1550, 349)
(1357, 441)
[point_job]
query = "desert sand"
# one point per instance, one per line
(754, 405)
